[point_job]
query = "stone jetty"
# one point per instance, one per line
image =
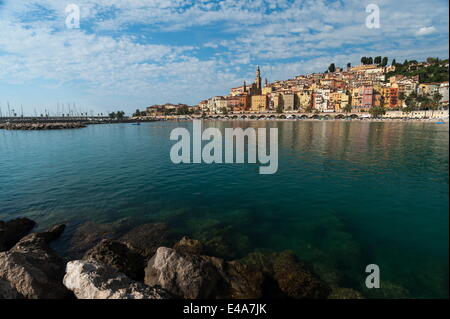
(41, 126)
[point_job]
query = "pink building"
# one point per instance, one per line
(368, 96)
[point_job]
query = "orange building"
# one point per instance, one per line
(260, 103)
(393, 97)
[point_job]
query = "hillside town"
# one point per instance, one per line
(373, 86)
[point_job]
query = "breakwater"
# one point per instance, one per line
(41, 126)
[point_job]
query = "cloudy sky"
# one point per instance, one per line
(129, 54)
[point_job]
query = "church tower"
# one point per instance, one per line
(258, 78)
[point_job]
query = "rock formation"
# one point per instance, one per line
(93, 280)
(32, 270)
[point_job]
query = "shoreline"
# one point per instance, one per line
(431, 121)
(148, 261)
(123, 260)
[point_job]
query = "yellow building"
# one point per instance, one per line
(276, 100)
(259, 103)
(339, 100)
(304, 100)
(267, 90)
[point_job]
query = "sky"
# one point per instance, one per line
(129, 54)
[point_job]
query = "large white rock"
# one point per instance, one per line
(93, 280)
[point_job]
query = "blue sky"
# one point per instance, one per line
(130, 54)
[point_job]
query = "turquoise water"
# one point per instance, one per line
(346, 194)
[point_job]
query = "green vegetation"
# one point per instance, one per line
(435, 71)
(347, 108)
(184, 110)
(332, 68)
(377, 111)
(139, 113)
(117, 115)
(377, 60)
(416, 102)
(280, 109)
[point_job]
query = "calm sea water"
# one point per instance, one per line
(346, 194)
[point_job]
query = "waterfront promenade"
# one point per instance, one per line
(416, 115)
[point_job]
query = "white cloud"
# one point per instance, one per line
(426, 31)
(285, 37)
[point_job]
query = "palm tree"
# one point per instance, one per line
(347, 108)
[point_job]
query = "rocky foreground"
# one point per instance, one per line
(141, 264)
(41, 126)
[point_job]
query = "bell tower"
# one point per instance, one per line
(258, 78)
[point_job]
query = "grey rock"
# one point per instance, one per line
(184, 275)
(32, 270)
(94, 280)
(119, 256)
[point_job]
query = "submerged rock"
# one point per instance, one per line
(345, 293)
(184, 275)
(261, 260)
(225, 243)
(89, 234)
(189, 246)
(33, 270)
(242, 281)
(387, 290)
(119, 256)
(146, 239)
(295, 280)
(13, 230)
(94, 280)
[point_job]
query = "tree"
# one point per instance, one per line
(411, 102)
(436, 99)
(369, 60)
(308, 108)
(120, 114)
(332, 68)
(183, 110)
(394, 62)
(279, 108)
(401, 98)
(137, 113)
(112, 115)
(377, 60)
(384, 62)
(377, 111)
(431, 60)
(349, 65)
(347, 108)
